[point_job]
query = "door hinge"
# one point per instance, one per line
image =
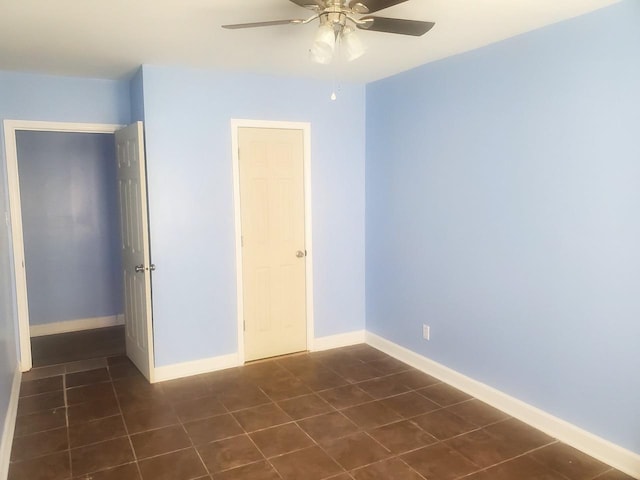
(244, 326)
(242, 240)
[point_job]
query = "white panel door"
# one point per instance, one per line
(135, 247)
(271, 165)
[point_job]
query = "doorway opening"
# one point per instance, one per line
(66, 202)
(274, 256)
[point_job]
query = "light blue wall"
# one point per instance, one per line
(26, 96)
(71, 226)
(188, 140)
(503, 200)
(136, 94)
(40, 97)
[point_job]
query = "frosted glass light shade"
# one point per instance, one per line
(353, 47)
(324, 45)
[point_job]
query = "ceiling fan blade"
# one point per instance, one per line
(262, 24)
(396, 25)
(372, 6)
(310, 4)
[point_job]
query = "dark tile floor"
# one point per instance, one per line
(74, 346)
(351, 413)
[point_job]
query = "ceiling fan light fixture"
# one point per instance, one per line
(353, 46)
(324, 44)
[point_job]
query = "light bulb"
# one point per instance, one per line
(324, 44)
(353, 47)
(334, 96)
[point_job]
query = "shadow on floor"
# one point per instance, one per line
(71, 347)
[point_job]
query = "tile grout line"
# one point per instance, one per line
(66, 415)
(126, 428)
(468, 413)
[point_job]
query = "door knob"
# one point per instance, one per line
(300, 254)
(139, 268)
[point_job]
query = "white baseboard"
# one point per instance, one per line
(75, 325)
(337, 341)
(206, 365)
(9, 425)
(196, 367)
(597, 447)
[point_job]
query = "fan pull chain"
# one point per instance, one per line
(334, 96)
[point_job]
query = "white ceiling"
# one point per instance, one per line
(110, 38)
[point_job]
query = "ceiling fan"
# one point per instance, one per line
(337, 21)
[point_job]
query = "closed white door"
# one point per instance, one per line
(271, 165)
(135, 247)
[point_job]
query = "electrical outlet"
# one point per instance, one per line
(426, 332)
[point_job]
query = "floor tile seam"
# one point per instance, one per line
(180, 420)
(392, 457)
(511, 459)
(40, 393)
(292, 421)
(64, 403)
(479, 469)
(364, 403)
(468, 421)
(332, 410)
(350, 406)
(411, 450)
(71, 387)
(92, 444)
(265, 459)
(342, 415)
(281, 454)
(496, 437)
(169, 452)
(610, 470)
(195, 448)
(467, 457)
(110, 467)
(348, 384)
(124, 423)
(324, 450)
(315, 393)
(42, 431)
(37, 457)
(66, 414)
(386, 396)
(539, 462)
(492, 423)
(274, 400)
(93, 361)
(376, 441)
(87, 476)
(253, 462)
(442, 440)
(440, 404)
(246, 408)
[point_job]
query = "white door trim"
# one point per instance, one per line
(10, 129)
(306, 131)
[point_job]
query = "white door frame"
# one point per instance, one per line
(306, 131)
(10, 129)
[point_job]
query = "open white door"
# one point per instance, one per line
(136, 264)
